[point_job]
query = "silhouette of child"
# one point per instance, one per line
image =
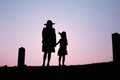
(63, 48)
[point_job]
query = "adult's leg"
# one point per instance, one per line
(44, 58)
(49, 57)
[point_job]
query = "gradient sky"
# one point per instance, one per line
(88, 23)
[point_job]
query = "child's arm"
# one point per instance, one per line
(58, 42)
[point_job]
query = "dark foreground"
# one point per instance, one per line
(80, 72)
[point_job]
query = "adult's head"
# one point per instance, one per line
(49, 23)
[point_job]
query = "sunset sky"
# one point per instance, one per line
(88, 24)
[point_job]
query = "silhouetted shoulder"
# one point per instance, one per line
(53, 29)
(44, 28)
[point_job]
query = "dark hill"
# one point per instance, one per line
(90, 71)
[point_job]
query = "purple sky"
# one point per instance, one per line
(88, 23)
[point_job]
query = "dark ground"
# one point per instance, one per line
(96, 71)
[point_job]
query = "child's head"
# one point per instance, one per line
(63, 34)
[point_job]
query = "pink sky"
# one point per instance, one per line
(88, 23)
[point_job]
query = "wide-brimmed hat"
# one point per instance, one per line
(49, 22)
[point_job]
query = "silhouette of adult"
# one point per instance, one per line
(48, 41)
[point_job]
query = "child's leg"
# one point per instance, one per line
(59, 60)
(63, 61)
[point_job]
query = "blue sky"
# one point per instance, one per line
(88, 23)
